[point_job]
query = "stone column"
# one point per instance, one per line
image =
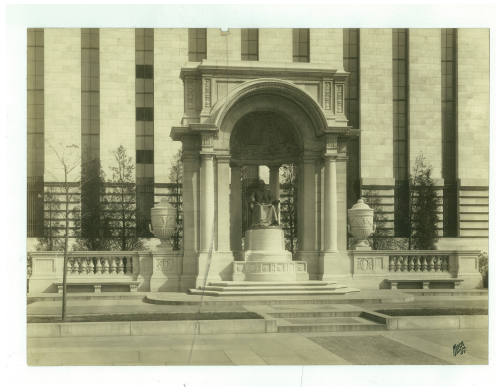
(236, 212)
(190, 196)
(223, 220)
(330, 216)
(206, 201)
(274, 181)
(308, 204)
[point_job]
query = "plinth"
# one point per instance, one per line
(267, 260)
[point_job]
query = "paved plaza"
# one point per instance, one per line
(365, 347)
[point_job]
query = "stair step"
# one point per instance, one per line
(279, 288)
(272, 284)
(268, 291)
(336, 313)
(330, 327)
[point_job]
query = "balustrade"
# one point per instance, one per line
(419, 263)
(100, 265)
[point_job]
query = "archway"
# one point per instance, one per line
(267, 140)
(284, 124)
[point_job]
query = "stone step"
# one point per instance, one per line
(277, 289)
(271, 284)
(269, 291)
(312, 314)
(330, 327)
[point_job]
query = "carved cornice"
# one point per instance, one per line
(262, 69)
(178, 133)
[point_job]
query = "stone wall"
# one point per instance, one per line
(62, 102)
(117, 94)
(376, 143)
(473, 130)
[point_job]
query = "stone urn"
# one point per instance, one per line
(163, 222)
(360, 218)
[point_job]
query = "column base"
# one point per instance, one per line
(334, 265)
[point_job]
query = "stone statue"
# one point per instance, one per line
(264, 211)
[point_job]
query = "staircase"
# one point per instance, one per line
(335, 318)
(228, 288)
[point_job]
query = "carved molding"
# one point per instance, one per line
(207, 93)
(339, 98)
(327, 95)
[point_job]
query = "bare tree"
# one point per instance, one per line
(68, 165)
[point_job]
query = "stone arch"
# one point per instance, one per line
(271, 95)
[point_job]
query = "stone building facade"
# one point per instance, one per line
(373, 99)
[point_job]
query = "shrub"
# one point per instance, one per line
(483, 267)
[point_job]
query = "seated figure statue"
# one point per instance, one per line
(264, 211)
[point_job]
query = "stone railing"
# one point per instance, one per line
(384, 264)
(86, 263)
(148, 270)
(419, 263)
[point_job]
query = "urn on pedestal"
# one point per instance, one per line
(361, 225)
(163, 222)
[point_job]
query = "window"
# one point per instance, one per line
(35, 132)
(400, 130)
(144, 128)
(250, 44)
(301, 45)
(351, 65)
(144, 156)
(144, 71)
(197, 46)
(144, 114)
(449, 130)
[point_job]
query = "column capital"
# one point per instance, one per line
(223, 158)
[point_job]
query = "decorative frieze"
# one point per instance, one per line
(339, 98)
(207, 93)
(331, 143)
(327, 95)
(207, 142)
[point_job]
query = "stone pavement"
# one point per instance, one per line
(430, 347)
(369, 347)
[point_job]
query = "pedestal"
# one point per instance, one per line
(166, 271)
(267, 260)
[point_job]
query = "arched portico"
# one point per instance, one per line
(212, 187)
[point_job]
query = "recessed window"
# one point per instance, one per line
(144, 71)
(400, 131)
(197, 46)
(301, 45)
(144, 114)
(250, 44)
(144, 156)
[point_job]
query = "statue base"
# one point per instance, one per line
(267, 260)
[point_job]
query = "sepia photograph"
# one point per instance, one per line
(256, 194)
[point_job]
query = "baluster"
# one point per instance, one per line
(435, 261)
(445, 264)
(429, 262)
(105, 266)
(98, 265)
(81, 266)
(91, 266)
(396, 264)
(130, 265)
(120, 267)
(71, 265)
(404, 263)
(421, 262)
(112, 267)
(414, 263)
(391, 263)
(88, 265)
